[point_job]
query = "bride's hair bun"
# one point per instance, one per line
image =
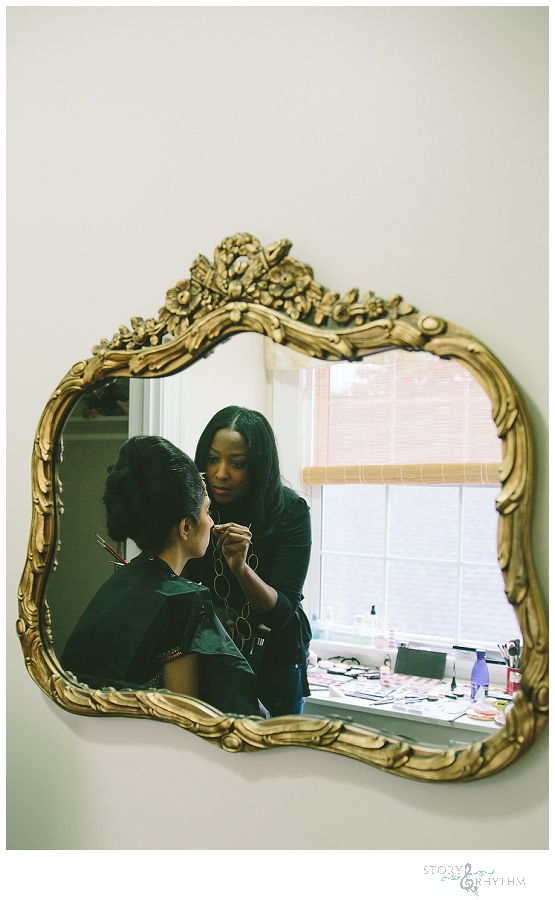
(151, 487)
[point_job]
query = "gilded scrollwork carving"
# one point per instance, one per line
(244, 272)
(249, 287)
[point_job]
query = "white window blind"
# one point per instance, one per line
(424, 557)
(416, 420)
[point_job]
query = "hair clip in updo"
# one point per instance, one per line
(203, 476)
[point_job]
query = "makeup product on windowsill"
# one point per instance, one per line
(514, 654)
(359, 636)
(328, 624)
(479, 678)
(372, 621)
(363, 695)
(385, 675)
(453, 680)
(335, 691)
(315, 626)
(513, 681)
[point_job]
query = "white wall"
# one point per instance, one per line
(401, 150)
(234, 375)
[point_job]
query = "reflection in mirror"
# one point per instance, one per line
(402, 459)
(407, 457)
(397, 455)
(95, 430)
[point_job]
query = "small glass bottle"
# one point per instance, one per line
(479, 677)
(359, 636)
(372, 618)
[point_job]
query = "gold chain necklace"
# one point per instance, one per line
(237, 625)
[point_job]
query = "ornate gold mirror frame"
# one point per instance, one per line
(260, 289)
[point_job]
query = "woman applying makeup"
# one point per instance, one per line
(256, 563)
(148, 626)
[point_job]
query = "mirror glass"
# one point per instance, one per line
(394, 562)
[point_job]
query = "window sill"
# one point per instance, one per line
(372, 656)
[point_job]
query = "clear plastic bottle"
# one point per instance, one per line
(359, 631)
(479, 677)
(315, 626)
(328, 624)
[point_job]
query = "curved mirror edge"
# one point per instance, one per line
(392, 753)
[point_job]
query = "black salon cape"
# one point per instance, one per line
(146, 615)
(283, 558)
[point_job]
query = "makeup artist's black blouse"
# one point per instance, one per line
(144, 616)
(283, 559)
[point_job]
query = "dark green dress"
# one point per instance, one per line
(144, 616)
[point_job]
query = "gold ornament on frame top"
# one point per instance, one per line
(251, 288)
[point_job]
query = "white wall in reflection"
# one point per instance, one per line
(179, 407)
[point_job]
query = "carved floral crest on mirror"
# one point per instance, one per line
(251, 288)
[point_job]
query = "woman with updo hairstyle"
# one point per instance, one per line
(148, 626)
(258, 556)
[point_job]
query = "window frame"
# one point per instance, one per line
(303, 415)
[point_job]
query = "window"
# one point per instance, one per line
(404, 460)
(424, 556)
